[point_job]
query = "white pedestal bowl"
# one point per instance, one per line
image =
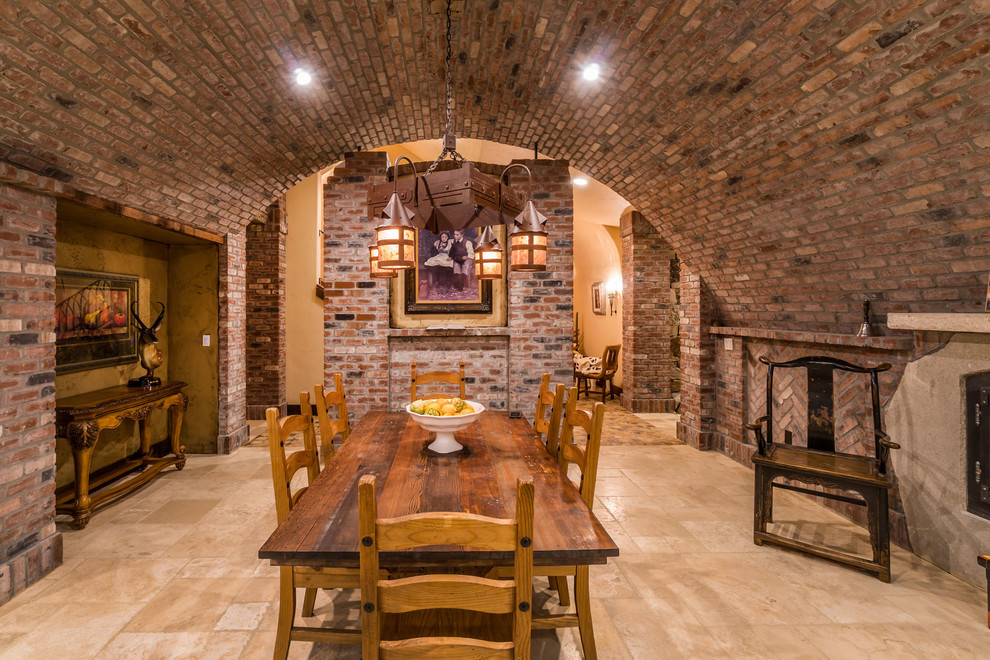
(445, 427)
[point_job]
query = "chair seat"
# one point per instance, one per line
(839, 467)
(591, 373)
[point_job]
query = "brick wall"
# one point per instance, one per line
(29, 545)
(486, 364)
(646, 363)
(232, 423)
(541, 305)
(355, 309)
(359, 342)
(799, 155)
(696, 425)
(265, 306)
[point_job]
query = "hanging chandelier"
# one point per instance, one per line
(451, 199)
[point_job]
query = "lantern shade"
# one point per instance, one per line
(488, 263)
(396, 237)
(529, 251)
(488, 256)
(376, 271)
(396, 248)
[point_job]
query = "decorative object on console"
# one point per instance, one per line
(148, 351)
(91, 324)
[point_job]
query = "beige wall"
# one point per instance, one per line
(303, 308)
(193, 312)
(596, 259)
(85, 247)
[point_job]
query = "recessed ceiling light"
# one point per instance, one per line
(591, 72)
(303, 77)
(580, 181)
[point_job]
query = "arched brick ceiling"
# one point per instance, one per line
(798, 154)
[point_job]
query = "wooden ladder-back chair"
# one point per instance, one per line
(453, 377)
(603, 374)
(586, 460)
(331, 428)
(550, 398)
(820, 464)
(400, 618)
(284, 468)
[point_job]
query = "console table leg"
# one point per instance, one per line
(144, 433)
(175, 413)
(82, 438)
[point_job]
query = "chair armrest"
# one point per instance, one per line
(757, 429)
(885, 440)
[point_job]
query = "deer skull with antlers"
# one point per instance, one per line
(151, 356)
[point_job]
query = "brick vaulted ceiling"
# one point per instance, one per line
(798, 154)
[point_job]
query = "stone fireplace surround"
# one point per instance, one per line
(927, 417)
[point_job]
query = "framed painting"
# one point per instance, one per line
(93, 324)
(444, 281)
(598, 298)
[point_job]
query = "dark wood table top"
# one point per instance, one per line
(322, 529)
(99, 402)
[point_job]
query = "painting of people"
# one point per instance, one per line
(444, 279)
(445, 267)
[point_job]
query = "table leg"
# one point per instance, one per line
(144, 433)
(82, 438)
(175, 413)
(286, 613)
(582, 602)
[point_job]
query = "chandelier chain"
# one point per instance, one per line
(447, 151)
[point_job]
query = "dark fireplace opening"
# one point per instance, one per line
(978, 444)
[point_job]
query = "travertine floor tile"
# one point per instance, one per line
(172, 572)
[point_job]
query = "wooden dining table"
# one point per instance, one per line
(322, 528)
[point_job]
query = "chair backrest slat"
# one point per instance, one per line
(452, 377)
(586, 459)
(331, 428)
(460, 592)
(458, 528)
(610, 359)
(284, 467)
(551, 397)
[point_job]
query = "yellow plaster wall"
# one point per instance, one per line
(193, 312)
(85, 247)
(596, 259)
(303, 308)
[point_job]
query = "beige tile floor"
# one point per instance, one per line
(172, 572)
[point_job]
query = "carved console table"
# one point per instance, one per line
(80, 419)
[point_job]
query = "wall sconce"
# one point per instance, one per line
(613, 290)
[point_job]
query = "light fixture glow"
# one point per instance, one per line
(580, 181)
(592, 71)
(303, 77)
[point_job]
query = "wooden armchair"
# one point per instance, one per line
(480, 617)
(603, 374)
(331, 428)
(284, 468)
(820, 464)
(549, 399)
(453, 377)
